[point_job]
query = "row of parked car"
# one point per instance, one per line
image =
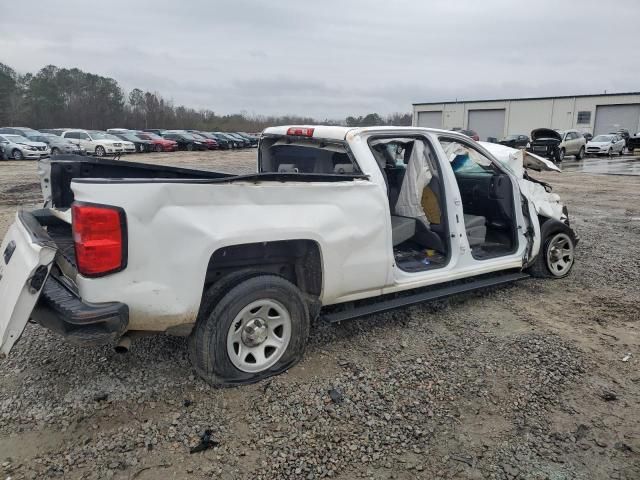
(23, 143)
(556, 144)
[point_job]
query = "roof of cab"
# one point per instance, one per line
(340, 133)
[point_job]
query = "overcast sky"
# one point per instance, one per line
(329, 58)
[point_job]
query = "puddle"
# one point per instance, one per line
(625, 165)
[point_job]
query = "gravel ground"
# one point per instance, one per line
(526, 381)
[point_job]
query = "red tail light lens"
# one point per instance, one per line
(300, 131)
(99, 235)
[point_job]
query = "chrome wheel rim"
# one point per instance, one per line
(17, 155)
(100, 151)
(560, 254)
(259, 335)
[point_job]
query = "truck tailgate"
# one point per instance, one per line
(27, 254)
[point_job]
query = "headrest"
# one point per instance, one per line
(342, 168)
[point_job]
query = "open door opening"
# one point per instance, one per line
(416, 201)
(487, 201)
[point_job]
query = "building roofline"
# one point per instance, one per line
(528, 98)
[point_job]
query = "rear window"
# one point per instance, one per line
(305, 155)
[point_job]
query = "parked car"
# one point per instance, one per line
(17, 147)
(623, 133)
(633, 142)
(606, 145)
(244, 264)
(22, 131)
(573, 143)
(95, 143)
(160, 144)
(244, 143)
(58, 145)
(515, 141)
(253, 141)
(141, 145)
(234, 142)
(223, 143)
(209, 142)
(185, 141)
(546, 142)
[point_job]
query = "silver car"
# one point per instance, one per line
(573, 143)
(17, 147)
(58, 145)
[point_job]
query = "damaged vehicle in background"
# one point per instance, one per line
(336, 223)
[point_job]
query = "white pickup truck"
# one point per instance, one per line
(336, 223)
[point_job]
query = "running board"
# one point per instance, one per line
(421, 297)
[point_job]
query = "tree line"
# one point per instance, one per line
(69, 97)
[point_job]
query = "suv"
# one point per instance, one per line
(335, 224)
(97, 143)
(573, 143)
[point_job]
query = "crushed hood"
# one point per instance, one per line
(546, 133)
(517, 160)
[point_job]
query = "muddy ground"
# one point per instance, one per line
(526, 381)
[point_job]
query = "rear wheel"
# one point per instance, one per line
(621, 151)
(17, 154)
(580, 154)
(190, 147)
(100, 151)
(256, 327)
(610, 152)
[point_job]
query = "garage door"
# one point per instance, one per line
(610, 118)
(430, 119)
(488, 123)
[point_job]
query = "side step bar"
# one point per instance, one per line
(421, 297)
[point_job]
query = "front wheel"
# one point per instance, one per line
(580, 154)
(556, 256)
(621, 151)
(256, 327)
(17, 154)
(158, 148)
(560, 155)
(100, 151)
(190, 147)
(610, 152)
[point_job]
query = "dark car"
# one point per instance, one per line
(141, 144)
(57, 144)
(235, 143)
(185, 141)
(253, 141)
(633, 142)
(545, 142)
(244, 142)
(516, 140)
(223, 143)
(209, 142)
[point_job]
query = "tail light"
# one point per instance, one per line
(300, 131)
(99, 236)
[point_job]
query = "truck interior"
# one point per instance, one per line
(487, 200)
(279, 154)
(414, 185)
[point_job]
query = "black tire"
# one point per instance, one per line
(220, 306)
(560, 155)
(549, 231)
(580, 154)
(190, 147)
(16, 154)
(621, 152)
(610, 152)
(100, 151)
(158, 148)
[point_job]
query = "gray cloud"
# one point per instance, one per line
(332, 58)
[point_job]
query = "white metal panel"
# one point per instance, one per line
(430, 119)
(610, 118)
(488, 123)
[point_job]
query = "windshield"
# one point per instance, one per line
(100, 136)
(148, 136)
(602, 138)
(15, 138)
(108, 136)
(129, 136)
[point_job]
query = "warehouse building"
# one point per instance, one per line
(497, 118)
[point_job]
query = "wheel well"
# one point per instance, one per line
(299, 261)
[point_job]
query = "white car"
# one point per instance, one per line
(334, 223)
(606, 145)
(17, 147)
(127, 146)
(93, 142)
